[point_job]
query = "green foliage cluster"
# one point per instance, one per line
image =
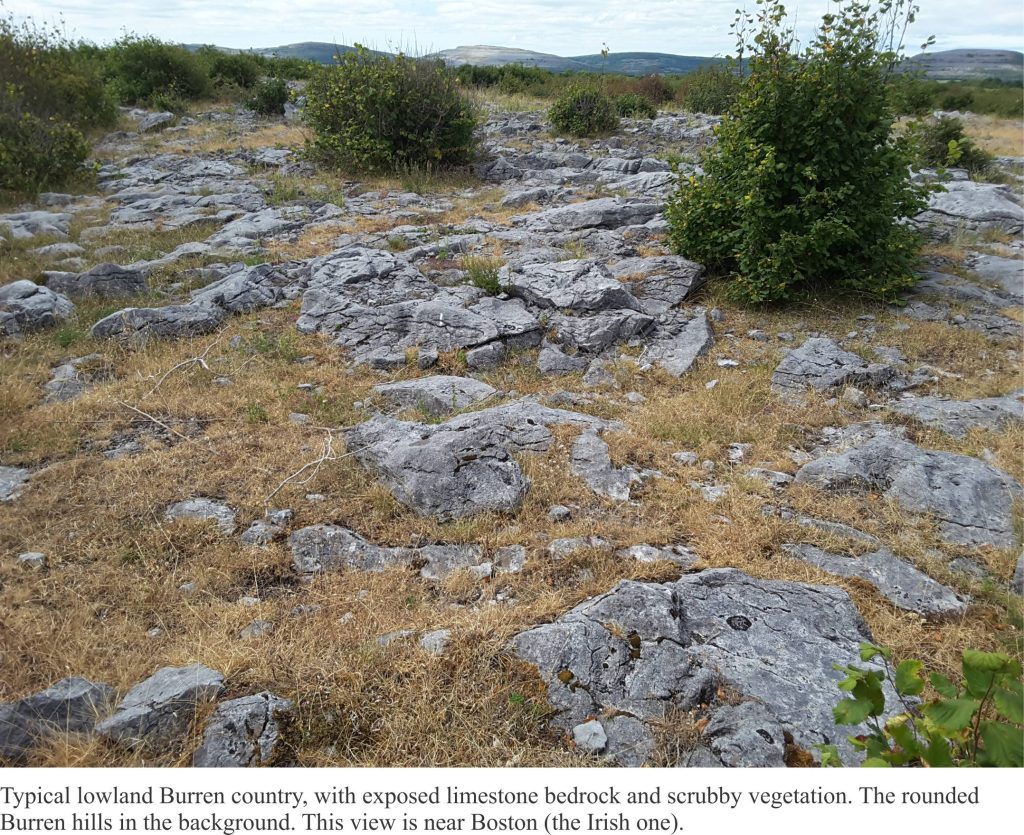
(917, 96)
(269, 97)
(634, 106)
(229, 70)
(979, 721)
(143, 70)
(806, 188)
(711, 89)
(51, 96)
(377, 113)
(483, 273)
(941, 142)
(584, 110)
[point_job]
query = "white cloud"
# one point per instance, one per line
(565, 27)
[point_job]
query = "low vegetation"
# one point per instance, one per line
(806, 187)
(942, 143)
(381, 114)
(584, 110)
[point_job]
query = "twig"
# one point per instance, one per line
(198, 360)
(327, 454)
(157, 421)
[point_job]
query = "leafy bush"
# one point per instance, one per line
(141, 68)
(806, 187)
(634, 106)
(941, 142)
(711, 89)
(976, 722)
(50, 96)
(376, 113)
(584, 111)
(240, 69)
(269, 97)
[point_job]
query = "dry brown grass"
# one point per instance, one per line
(996, 135)
(116, 566)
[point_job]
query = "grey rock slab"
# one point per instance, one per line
(516, 325)
(896, 579)
(72, 705)
(155, 121)
(820, 364)
(958, 417)
(436, 641)
(320, 548)
(71, 379)
(679, 554)
(159, 710)
(369, 277)
(660, 282)
(23, 226)
(593, 334)
(485, 357)
(244, 733)
(246, 234)
(12, 482)
(105, 281)
(26, 306)
(62, 250)
(590, 737)
(32, 559)
(973, 206)
(591, 461)
(564, 547)
(680, 346)
(1017, 583)
(203, 510)
(249, 289)
(602, 213)
(643, 649)
(970, 500)
(463, 466)
(1008, 273)
(438, 395)
(552, 361)
(256, 629)
(441, 560)
(580, 285)
(176, 320)
(746, 736)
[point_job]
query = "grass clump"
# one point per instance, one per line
(584, 111)
(483, 272)
(379, 113)
(806, 187)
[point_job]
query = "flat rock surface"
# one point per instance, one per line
(244, 733)
(438, 395)
(958, 417)
(645, 648)
(971, 501)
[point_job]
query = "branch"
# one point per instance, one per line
(198, 360)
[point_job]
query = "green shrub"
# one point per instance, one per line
(583, 110)
(139, 69)
(941, 142)
(711, 89)
(50, 97)
(806, 187)
(634, 106)
(269, 97)
(976, 722)
(377, 113)
(238, 69)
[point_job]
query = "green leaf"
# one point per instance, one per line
(943, 686)
(936, 753)
(875, 762)
(1004, 745)
(908, 678)
(1010, 705)
(851, 711)
(978, 681)
(991, 661)
(952, 714)
(868, 652)
(830, 756)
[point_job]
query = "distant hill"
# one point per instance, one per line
(966, 64)
(645, 63)
(948, 65)
(628, 63)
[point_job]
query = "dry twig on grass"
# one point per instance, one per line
(197, 360)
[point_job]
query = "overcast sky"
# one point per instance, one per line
(564, 27)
